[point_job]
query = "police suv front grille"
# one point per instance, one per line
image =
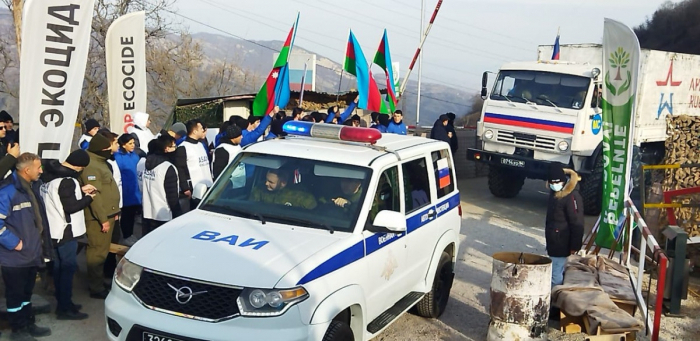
(526, 140)
(207, 302)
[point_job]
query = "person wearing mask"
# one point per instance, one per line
(454, 141)
(396, 126)
(228, 149)
(65, 201)
(160, 183)
(141, 132)
(192, 162)
(26, 243)
(564, 222)
(127, 161)
(256, 130)
(91, 128)
(11, 135)
(9, 152)
(340, 118)
(102, 213)
(439, 131)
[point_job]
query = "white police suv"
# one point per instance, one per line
(328, 234)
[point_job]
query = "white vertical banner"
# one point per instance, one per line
(126, 70)
(55, 44)
(396, 68)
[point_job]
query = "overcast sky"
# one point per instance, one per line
(468, 37)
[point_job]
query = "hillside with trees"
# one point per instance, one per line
(673, 27)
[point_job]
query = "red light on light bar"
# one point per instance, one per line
(358, 134)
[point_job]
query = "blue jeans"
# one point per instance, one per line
(558, 264)
(64, 268)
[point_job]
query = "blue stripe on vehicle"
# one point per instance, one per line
(372, 243)
(530, 120)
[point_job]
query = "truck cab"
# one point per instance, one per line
(538, 113)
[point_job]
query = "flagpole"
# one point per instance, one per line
(420, 63)
(342, 70)
(303, 80)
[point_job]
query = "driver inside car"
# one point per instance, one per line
(275, 190)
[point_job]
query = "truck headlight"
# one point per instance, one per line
(127, 274)
(488, 134)
(264, 302)
(563, 146)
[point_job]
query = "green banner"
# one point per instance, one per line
(621, 56)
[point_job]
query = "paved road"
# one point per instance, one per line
(489, 225)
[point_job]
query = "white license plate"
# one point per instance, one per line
(513, 163)
(155, 337)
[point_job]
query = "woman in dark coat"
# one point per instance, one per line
(439, 131)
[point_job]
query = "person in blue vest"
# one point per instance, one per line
(344, 116)
(91, 128)
(396, 126)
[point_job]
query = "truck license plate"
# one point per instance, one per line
(155, 337)
(513, 163)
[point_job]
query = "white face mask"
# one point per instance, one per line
(556, 187)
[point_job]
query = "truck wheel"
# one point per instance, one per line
(339, 331)
(433, 303)
(592, 189)
(505, 183)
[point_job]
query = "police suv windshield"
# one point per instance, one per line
(289, 190)
(541, 88)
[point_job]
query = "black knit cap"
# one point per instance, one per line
(78, 158)
(91, 124)
(233, 131)
(5, 116)
(556, 172)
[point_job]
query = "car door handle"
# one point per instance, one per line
(431, 214)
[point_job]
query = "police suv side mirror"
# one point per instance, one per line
(199, 191)
(391, 220)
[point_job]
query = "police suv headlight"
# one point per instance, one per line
(264, 302)
(563, 146)
(127, 274)
(488, 134)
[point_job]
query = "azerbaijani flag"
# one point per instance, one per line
(356, 65)
(275, 90)
(555, 51)
(383, 59)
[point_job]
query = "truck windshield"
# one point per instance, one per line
(287, 190)
(541, 88)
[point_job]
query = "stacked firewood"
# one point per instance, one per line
(683, 147)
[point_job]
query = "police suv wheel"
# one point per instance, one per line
(433, 303)
(339, 331)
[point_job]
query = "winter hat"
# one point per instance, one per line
(78, 158)
(233, 131)
(99, 143)
(384, 120)
(444, 118)
(556, 172)
(355, 117)
(5, 116)
(91, 124)
(179, 128)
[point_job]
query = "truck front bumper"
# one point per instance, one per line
(531, 168)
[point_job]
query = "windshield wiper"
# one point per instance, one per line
(235, 211)
(304, 222)
(546, 99)
(506, 97)
(527, 101)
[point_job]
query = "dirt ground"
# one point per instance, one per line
(489, 225)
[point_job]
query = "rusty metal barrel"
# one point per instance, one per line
(520, 296)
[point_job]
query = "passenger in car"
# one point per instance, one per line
(276, 191)
(350, 193)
